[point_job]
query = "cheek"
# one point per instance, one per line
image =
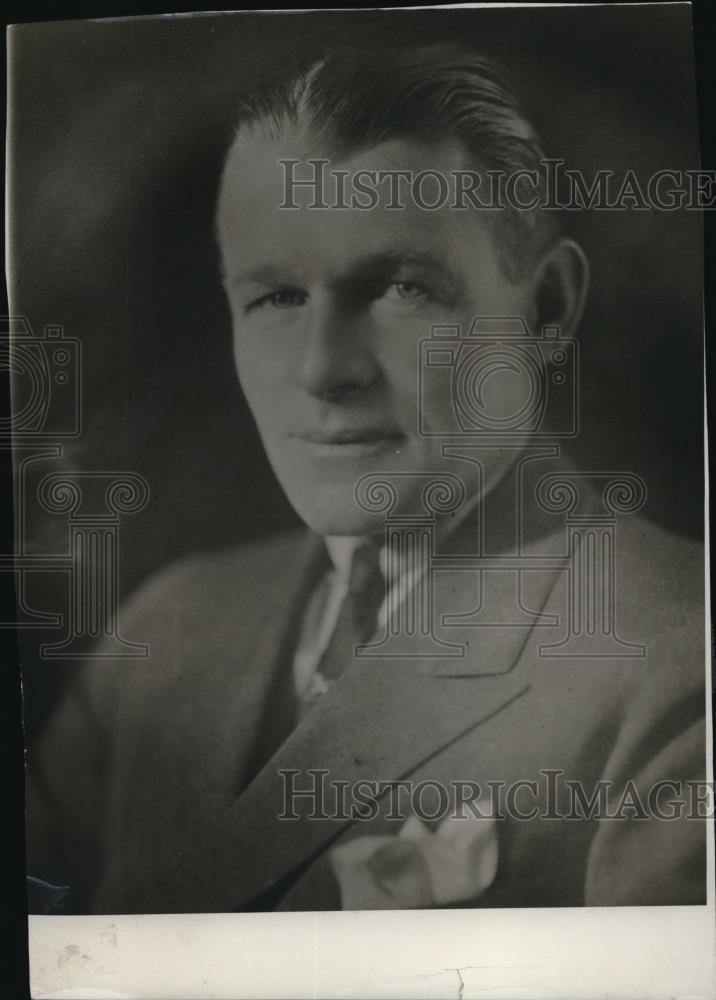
(396, 348)
(260, 356)
(258, 376)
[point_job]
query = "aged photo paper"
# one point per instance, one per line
(358, 437)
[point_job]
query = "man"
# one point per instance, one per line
(229, 770)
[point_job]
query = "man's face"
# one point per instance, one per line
(329, 307)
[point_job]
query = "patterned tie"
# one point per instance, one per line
(357, 618)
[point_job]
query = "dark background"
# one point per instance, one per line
(118, 133)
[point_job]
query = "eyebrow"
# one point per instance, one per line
(370, 267)
(264, 274)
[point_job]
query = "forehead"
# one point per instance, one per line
(254, 229)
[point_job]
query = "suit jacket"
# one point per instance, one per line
(150, 790)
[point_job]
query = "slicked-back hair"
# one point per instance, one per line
(357, 98)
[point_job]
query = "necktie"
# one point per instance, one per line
(357, 618)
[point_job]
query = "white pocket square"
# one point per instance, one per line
(418, 868)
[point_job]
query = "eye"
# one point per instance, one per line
(284, 298)
(407, 291)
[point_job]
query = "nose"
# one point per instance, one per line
(337, 359)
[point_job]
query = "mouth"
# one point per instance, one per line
(351, 441)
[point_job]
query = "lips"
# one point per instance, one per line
(349, 435)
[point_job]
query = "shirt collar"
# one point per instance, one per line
(341, 549)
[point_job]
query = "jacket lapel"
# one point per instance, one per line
(267, 704)
(380, 721)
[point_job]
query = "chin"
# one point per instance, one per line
(339, 523)
(333, 512)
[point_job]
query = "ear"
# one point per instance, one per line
(559, 289)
